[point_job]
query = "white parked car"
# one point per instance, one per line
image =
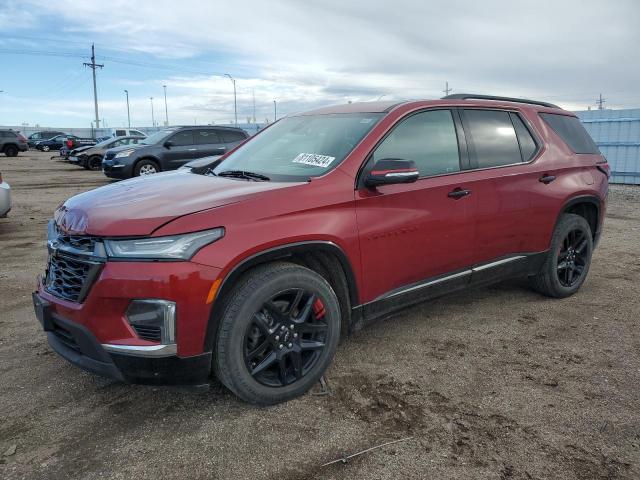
(5, 197)
(126, 132)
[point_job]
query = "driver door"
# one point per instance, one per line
(181, 151)
(416, 234)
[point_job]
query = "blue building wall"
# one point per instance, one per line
(617, 133)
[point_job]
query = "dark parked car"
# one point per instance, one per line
(318, 224)
(169, 149)
(40, 136)
(91, 157)
(12, 142)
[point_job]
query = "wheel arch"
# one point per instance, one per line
(324, 257)
(148, 157)
(588, 207)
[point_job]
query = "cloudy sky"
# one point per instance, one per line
(304, 54)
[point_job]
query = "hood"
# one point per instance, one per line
(201, 162)
(82, 149)
(139, 206)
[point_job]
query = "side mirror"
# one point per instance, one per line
(389, 171)
(168, 144)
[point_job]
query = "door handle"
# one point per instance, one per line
(547, 179)
(458, 193)
(192, 149)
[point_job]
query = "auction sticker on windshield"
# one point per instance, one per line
(314, 159)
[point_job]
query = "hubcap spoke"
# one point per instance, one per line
(312, 327)
(303, 316)
(266, 363)
(282, 371)
(295, 303)
(259, 350)
(311, 345)
(296, 360)
(581, 246)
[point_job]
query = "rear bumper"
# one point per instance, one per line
(23, 147)
(79, 346)
(5, 199)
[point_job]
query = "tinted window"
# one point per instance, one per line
(121, 133)
(136, 132)
(427, 138)
(206, 136)
(229, 136)
(572, 132)
(527, 144)
(183, 138)
(493, 138)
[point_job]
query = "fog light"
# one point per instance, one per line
(153, 320)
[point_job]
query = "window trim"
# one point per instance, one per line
(463, 153)
(527, 125)
(190, 130)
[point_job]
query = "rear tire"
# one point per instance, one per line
(145, 167)
(568, 260)
(11, 151)
(278, 333)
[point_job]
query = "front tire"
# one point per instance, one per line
(45, 148)
(145, 167)
(278, 333)
(569, 258)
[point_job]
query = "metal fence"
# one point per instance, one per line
(617, 134)
(26, 130)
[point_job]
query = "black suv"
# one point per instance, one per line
(169, 149)
(12, 142)
(40, 136)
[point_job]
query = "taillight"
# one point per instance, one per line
(22, 138)
(603, 167)
(0, 177)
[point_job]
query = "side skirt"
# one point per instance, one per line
(512, 266)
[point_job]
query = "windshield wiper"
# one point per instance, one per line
(244, 174)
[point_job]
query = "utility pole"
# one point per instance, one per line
(166, 112)
(275, 111)
(235, 98)
(128, 116)
(254, 105)
(153, 119)
(447, 89)
(600, 102)
(93, 65)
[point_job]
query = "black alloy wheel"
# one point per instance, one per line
(278, 332)
(572, 258)
(285, 338)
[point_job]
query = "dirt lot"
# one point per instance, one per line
(495, 383)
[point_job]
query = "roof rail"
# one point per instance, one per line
(472, 96)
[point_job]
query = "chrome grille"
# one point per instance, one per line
(70, 277)
(75, 261)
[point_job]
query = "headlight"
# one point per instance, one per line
(124, 153)
(181, 247)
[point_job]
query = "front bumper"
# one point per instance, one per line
(95, 334)
(117, 169)
(144, 365)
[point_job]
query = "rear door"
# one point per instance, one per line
(414, 233)
(515, 208)
(208, 143)
(182, 149)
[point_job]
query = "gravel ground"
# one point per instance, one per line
(495, 383)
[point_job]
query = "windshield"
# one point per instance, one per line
(296, 148)
(158, 136)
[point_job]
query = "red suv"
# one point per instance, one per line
(254, 266)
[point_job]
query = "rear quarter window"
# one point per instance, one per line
(571, 131)
(231, 136)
